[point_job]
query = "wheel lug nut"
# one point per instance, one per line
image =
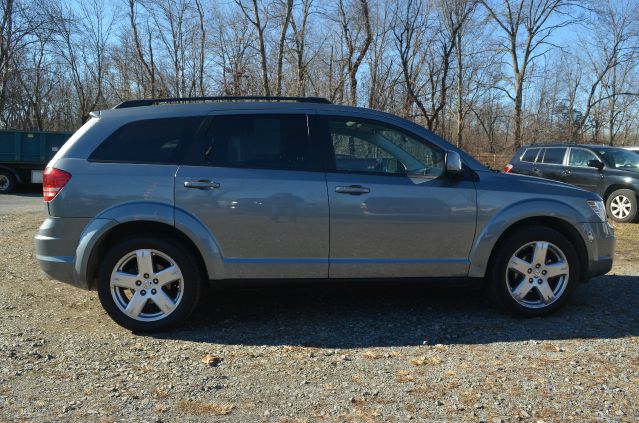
(530, 280)
(538, 265)
(155, 281)
(146, 275)
(529, 270)
(540, 281)
(153, 291)
(543, 272)
(138, 283)
(143, 292)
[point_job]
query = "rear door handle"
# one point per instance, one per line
(201, 184)
(352, 190)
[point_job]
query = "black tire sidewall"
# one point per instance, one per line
(632, 196)
(12, 182)
(498, 285)
(191, 274)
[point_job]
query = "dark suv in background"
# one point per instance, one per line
(611, 172)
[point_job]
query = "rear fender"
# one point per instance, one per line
(108, 220)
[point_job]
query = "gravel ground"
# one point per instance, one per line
(315, 354)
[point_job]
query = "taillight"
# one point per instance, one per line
(53, 180)
(508, 168)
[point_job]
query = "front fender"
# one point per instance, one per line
(496, 225)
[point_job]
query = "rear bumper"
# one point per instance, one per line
(600, 241)
(55, 245)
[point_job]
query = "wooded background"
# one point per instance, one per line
(489, 75)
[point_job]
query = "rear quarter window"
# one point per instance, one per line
(157, 141)
(529, 155)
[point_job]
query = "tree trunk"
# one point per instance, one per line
(280, 50)
(460, 92)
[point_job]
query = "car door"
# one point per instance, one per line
(256, 182)
(550, 163)
(394, 212)
(579, 173)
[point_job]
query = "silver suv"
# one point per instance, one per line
(152, 199)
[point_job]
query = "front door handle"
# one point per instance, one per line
(201, 184)
(566, 172)
(352, 190)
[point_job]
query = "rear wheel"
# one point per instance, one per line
(7, 182)
(149, 284)
(534, 271)
(621, 205)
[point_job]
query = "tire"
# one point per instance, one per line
(621, 205)
(158, 301)
(513, 290)
(7, 182)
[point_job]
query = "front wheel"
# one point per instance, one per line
(149, 284)
(621, 205)
(534, 271)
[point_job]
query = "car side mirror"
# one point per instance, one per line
(453, 163)
(596, 164)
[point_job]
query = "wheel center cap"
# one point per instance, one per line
(147, 284)
(537, 272)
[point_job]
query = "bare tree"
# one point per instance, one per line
(356, 47)
(533, 19)
(7, 47)
(149, 66)
(202, 44)
(260, 26)
(456, 13)
(299, 39)
(609, 52)
(83, 42)
(286, 19)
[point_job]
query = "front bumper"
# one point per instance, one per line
(600, 242)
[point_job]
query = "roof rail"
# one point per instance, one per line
(152, 101)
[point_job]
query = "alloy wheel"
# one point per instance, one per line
(620, 206)
(537, 274)
(146, 285)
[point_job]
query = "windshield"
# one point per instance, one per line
(620, 158)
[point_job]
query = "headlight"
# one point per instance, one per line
(599, 208)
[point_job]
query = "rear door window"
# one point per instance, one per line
(554, 155)
(261, 141)
(158, 141)
(530, 155)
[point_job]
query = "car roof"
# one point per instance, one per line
(566, 144)
(206, 108)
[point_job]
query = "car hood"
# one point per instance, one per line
(534, 184)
